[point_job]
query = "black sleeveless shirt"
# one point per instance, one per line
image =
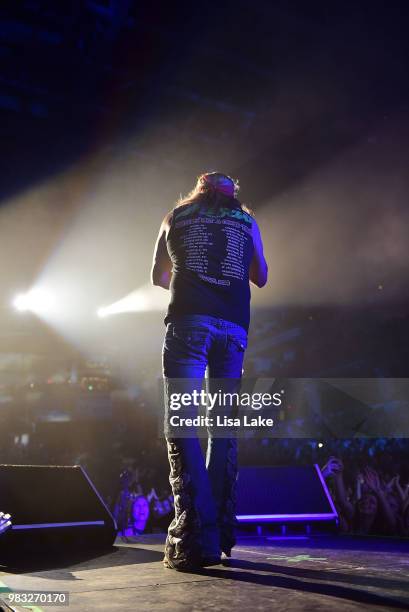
(211, 254)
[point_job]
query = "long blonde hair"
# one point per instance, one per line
(207, 192)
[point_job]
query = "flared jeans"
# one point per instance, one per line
(204, 488)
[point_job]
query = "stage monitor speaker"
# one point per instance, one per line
(52, 508)
(283, 494)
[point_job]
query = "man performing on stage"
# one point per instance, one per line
(208, 249)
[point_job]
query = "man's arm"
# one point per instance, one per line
(258, 266)
(162, 266)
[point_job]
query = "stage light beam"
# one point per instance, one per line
(39, 301)
(145, 299)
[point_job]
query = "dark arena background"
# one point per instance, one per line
(109, 110)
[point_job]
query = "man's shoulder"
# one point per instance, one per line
(168, 218)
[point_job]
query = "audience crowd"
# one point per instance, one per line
(368, 478)
(369, 500)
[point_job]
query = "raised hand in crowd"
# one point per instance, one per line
(152, 495)
(389, 510)
(373, 481)
(334, 469)
(402, 491)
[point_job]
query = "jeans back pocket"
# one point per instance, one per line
(193, 337)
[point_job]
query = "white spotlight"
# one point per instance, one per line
(36, 300)
(141, 300)
(21, 302)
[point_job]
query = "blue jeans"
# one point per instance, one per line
(204, 490)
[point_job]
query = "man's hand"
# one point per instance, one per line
(258, 267)
(162, 266)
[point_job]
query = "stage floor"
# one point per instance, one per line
(318, 573)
